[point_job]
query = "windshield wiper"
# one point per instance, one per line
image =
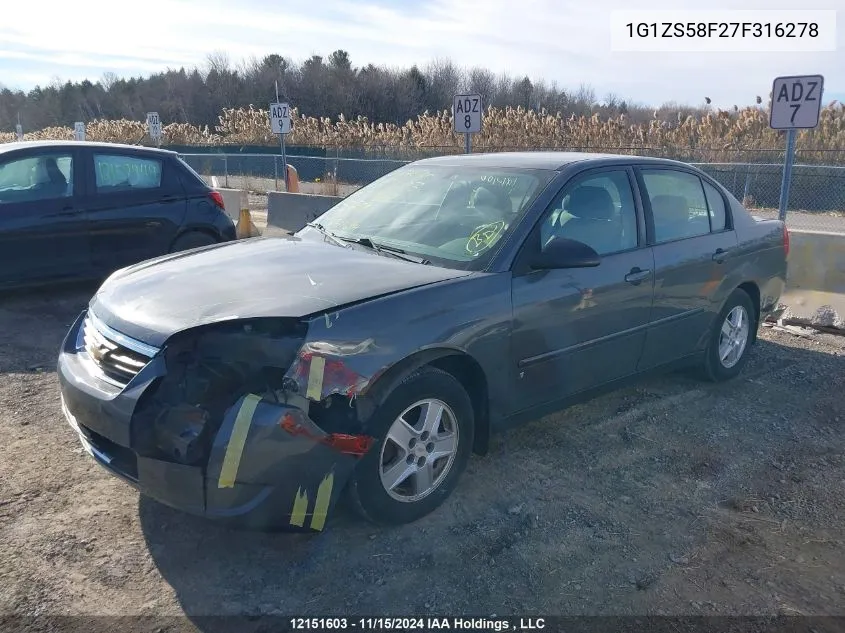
(327, 233)
(382, 248)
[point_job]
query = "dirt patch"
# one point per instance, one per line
(669, 497)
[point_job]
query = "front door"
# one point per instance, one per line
(43, 233)
(580, 328)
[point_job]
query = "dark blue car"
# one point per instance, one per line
(81, 210)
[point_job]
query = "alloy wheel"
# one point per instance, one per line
(419, 450)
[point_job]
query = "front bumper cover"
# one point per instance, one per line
(258, 475)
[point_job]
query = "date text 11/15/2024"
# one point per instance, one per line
(416, 624)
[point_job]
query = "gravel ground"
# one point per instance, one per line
(669, 497)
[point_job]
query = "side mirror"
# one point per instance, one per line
(561, 252)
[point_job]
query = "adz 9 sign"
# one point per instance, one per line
(154, 125)
(796, 102)
(466, 113)
(280, 118)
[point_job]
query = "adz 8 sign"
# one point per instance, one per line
(154, 126)
(796, 102)
(466, 113)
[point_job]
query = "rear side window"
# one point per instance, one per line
(716, 205)
(114, 172)
(678, 204)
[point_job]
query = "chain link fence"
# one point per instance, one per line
(262, 173)
(816, 200)
(816, 194)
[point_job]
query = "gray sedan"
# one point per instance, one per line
(372, 352)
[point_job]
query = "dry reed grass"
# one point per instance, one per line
(711, 137)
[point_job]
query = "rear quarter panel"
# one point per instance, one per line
(760, 257)
(201, 213)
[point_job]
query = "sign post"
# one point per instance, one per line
(280, 124)
(154, 127)
(79, 131)
(466, 117)
(796, 105)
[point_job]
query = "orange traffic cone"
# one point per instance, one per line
(242, 227)
(292, 185)
(245, 227)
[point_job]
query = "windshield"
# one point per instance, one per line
(450, 215)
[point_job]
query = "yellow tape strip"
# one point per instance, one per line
(315, 378)
(321, 505)
(300, 507)
(232, 458)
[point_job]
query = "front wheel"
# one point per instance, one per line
(425, 429)
(733, 332)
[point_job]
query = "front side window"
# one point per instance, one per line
(34, 178)
(597, 210)
(453, 215)
(114, 172)
(678, 204)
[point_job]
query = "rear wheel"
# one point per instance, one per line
(426, 430)
(192, 239)
(731, 338)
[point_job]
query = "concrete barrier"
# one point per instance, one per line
(291, 211)
(815, 280)
(232, 200)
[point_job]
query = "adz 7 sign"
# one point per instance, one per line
(796, 102)
(466, 113)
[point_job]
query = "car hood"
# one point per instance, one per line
(260, 277)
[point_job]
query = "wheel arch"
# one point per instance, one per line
(753, 291)
(187, 230)
(457, 363)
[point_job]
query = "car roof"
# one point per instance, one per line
(543, 160)
(16, 145)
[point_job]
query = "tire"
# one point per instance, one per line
(192, 239)
(407, 501)
(737, 305)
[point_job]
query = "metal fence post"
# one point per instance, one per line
(226, 169)
(747, 183)
(336, 161)
(787, 174)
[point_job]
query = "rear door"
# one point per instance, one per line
(43, 232)
(580, 328)
(693, 240)
(136, 207)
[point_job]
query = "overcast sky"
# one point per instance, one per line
(566, 41)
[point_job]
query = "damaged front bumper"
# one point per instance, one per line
(267, 464)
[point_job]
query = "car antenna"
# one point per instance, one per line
(138, 142)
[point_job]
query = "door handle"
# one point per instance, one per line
(720, 255)
(637, 276)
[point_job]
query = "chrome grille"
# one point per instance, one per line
(117, 357)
